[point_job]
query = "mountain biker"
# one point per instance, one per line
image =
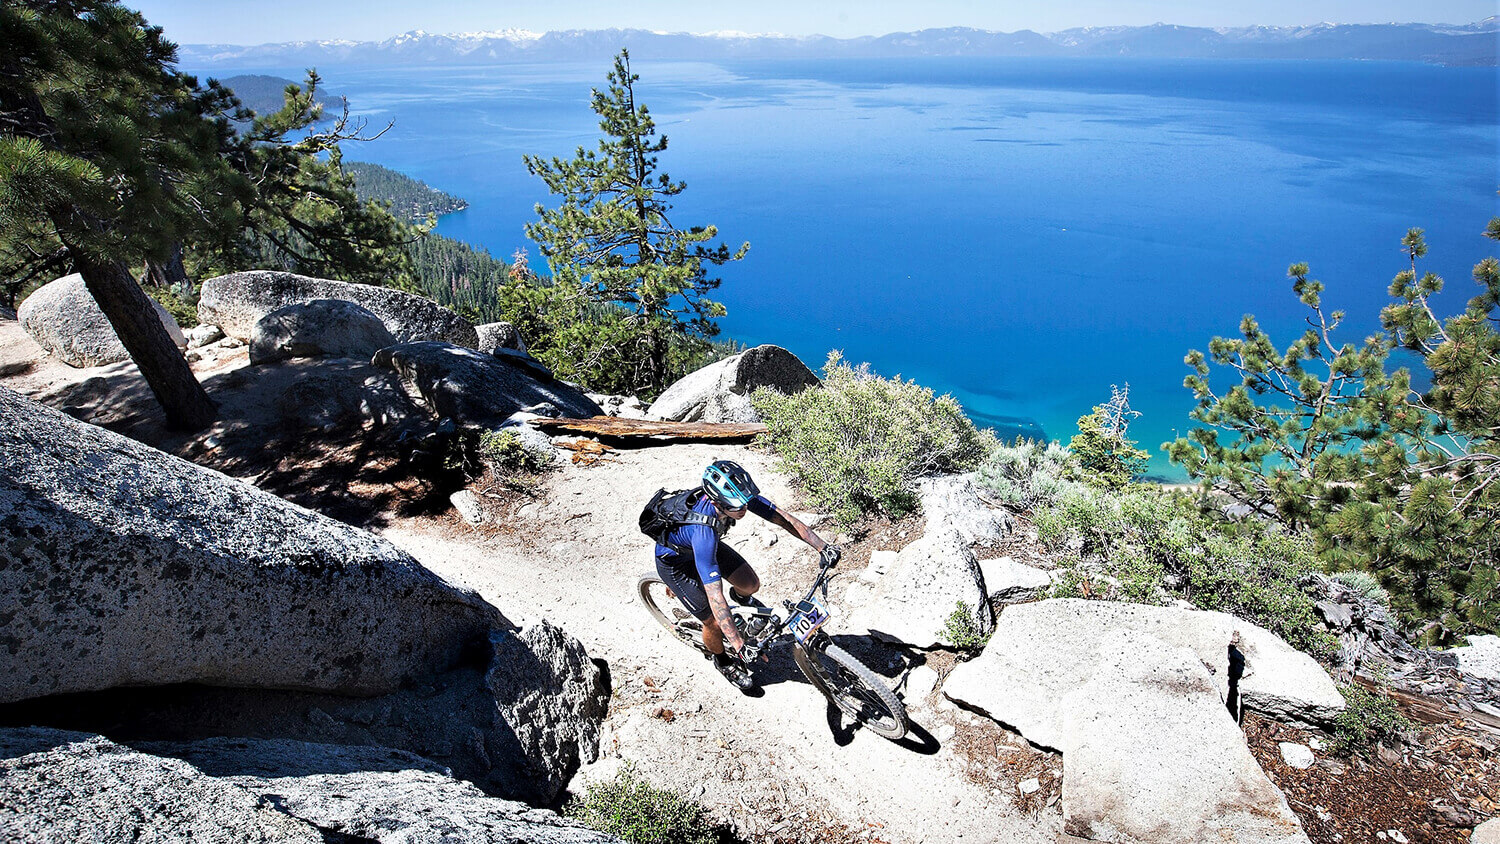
(694, 561)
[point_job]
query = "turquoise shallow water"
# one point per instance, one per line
(1020, 233)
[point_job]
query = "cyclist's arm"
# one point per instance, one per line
(733, 641)
(791, 524)
(706, 558)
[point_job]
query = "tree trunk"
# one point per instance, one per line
(131, 313)
(170, 273)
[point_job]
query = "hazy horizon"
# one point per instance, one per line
(232, 22)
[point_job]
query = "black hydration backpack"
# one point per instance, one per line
(667, 511)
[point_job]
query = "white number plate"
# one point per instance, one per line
(810, 616)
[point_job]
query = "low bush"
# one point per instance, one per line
(507, 455)
(1150, 546)
(961, 630)
(184, 309)
(632, 808)
(1365, 584)
(1028, 475)
(859, 442)
(1368, 719)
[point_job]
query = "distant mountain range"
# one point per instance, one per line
(1469, 44)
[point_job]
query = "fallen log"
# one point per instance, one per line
(618, 428)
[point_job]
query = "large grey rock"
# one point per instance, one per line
(1043, 650)
(375, 794)
(63, 786)
(320, 328)
(913, 601)
(1009, 582)
(121, 565)
(1151, 756)
(1481, 657)
(953, 502)
(68, 786)
(498, 335)
(236, 302)
(720, 392)
(1487, 832)
(476, 388)
(63, 318)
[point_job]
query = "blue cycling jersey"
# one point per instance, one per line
(703, 540)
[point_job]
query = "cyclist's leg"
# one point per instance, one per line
(737, 571)
(682, 578)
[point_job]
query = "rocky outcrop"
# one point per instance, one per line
(126, 566)
(954, 502)
(68, 786)
(1481, 657)
(320, 328)
(121, 566)
(202, 335)
(1151, 755)
(476, 388)
(720, 392)
(914, 599)
(1371, 644)
(625, 407)
(236, 302)
(64, 786)
(1043, 650)
(1010, 582)
(498, 335)
(63, 318)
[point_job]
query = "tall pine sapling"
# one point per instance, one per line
(613, 242)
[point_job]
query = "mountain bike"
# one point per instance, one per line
(844, 680)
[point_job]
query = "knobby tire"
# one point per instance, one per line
(653, 592)
(855, 689)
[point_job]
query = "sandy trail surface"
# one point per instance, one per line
(782, 766)
(785, 766)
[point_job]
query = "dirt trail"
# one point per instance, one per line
(782, 766)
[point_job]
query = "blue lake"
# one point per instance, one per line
(1020, 233)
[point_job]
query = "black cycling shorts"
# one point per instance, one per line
(680, 574)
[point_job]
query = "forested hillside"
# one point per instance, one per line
(266, 94)
(410, 199)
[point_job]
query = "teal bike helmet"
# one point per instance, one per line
(728, 485)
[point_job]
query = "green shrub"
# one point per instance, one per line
(1365, 584)
(1150, 546)
(1105, 459)
(859, 442)
(961, 630)
(507, 455)
(1368, 718)
(639, 812)
(184, 310)
(1028, 474)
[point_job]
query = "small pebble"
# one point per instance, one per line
(1029, 786)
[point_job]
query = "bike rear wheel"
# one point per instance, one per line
(855, 689)
(668, 611)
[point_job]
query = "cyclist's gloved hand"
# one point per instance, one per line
(830, 556)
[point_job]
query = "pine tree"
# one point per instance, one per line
(103, 150)
(613, 242)
(1392, 480)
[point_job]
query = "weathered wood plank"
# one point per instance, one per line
(620, 428)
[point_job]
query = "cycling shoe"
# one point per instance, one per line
(735, 672)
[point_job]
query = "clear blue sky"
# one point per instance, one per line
(263, 21)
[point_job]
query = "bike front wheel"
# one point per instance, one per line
(853, 688)
(668, 611)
